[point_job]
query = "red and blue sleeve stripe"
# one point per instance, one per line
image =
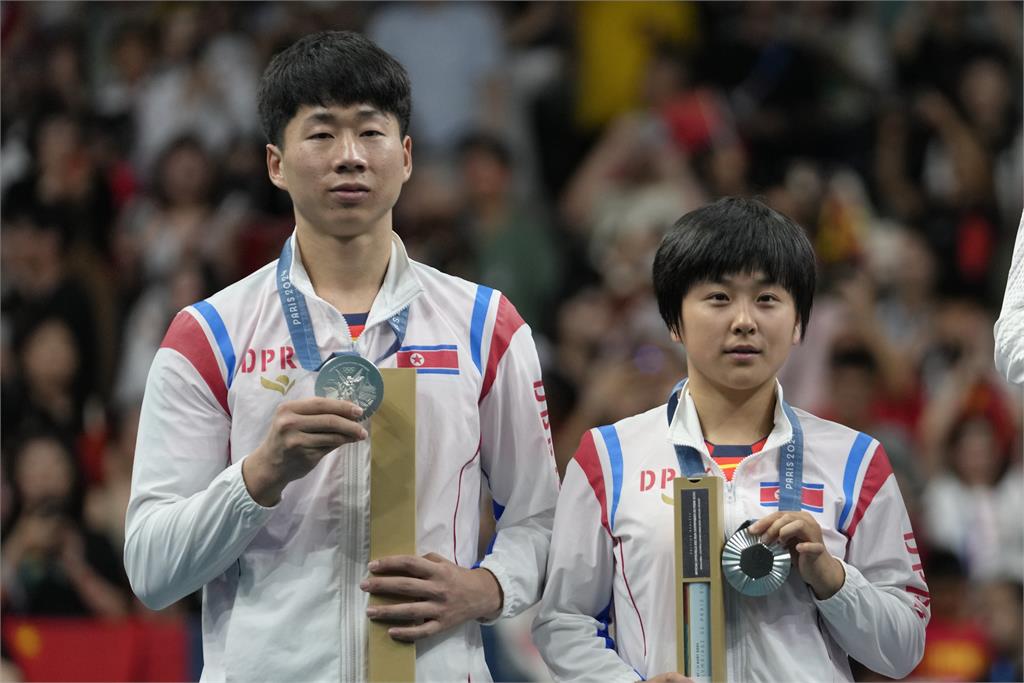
(614, 448)
(877, 473)
(507, 322)
(476, 324)
(220, 335)
(187, 337)
(853, 463)
(589, 461)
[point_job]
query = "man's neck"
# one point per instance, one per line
(733, 417)
(347, 272)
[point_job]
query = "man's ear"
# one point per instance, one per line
(407, 157)
(274, 169)
(797, 333)
(676, 333)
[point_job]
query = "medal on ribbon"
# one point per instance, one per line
(349, 377)
(345, 375)
(749, 566)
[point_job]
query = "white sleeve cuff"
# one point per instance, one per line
(838, 606)
(510, 605)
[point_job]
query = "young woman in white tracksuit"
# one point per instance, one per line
(735, 283)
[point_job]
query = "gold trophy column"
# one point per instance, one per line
(392, 511)
(700, 603)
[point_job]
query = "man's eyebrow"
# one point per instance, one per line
(327, 116)
(320, 116)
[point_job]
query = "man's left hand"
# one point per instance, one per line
(800, 532)
(440, 594)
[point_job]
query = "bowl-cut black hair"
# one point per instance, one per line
(331, 68)
(733, 236)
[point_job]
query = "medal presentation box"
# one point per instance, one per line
(700, 603)
(392, 511)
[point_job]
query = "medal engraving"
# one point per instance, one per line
(351, 378)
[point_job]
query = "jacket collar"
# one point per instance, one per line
(401, 284)
(685, 430)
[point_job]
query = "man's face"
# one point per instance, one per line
(344, 168)
(738, 332)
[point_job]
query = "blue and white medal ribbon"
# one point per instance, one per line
(791, 456)
(300, 325)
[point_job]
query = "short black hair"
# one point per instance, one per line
(331, 68)
(731, 236)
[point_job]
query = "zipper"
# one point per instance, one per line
(344, 524)
(732, 642)
(361, 524)
(352, 526)
(736, 657)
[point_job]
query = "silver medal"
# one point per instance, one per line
(349, 377)
(751, 567)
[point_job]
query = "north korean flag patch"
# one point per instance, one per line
(442, 359)
(812, 496)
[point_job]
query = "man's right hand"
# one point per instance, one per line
(301, 434)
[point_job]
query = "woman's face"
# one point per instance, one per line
(975, 455)
(50, 357)
(43, 472)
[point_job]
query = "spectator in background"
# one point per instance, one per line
(454, 53)
(615, 385)
(984, 96)
(970, 507)
(956, 646)
(131, 54)
(616, 44)
(150, 316)
(903, 268)
(512, 243)
(205, 86)
(66, 180)
(183, 218)
(106, 503)
(961, 338)
(999, 606)
(859, 400)
(46, 396)
(38, 283)
(51, 564)
(635, 166)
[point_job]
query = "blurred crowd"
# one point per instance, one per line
(554, 144)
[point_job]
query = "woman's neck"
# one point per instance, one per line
(733, 416)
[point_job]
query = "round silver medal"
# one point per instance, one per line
(349, 377)
(751, 567)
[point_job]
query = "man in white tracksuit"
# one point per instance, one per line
(735, 282)
(248, 486)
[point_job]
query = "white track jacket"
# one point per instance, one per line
(281, 597)
(611, 561)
